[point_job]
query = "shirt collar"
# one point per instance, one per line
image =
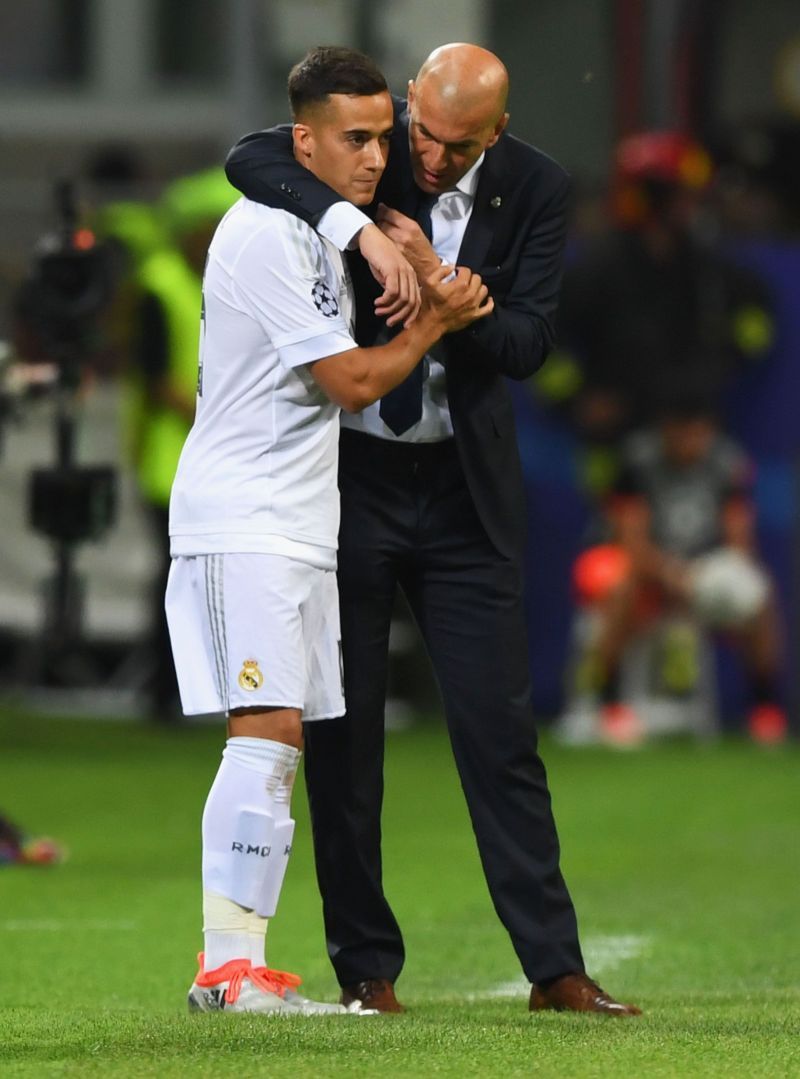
(468, 184)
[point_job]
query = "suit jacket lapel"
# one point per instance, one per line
(480, 228)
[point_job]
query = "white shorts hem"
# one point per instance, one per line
(324, 715)
(264, 705)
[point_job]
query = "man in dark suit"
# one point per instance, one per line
(433, 502)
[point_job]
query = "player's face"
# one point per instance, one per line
(687, 441)
(445, 139)
(345, 143)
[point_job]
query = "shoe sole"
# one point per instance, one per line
(198, 1003)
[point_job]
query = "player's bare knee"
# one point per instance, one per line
(277, 724)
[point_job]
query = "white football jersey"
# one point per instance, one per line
(258, 471)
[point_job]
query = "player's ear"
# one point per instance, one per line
(303, 138)
(499, 128)
(410, 94)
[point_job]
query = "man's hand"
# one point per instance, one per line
(400, 300)
(455, 297)
(408, 237)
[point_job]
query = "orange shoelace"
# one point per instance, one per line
(235, 972)
(279, 980)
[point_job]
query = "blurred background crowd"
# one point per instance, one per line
(660, 441)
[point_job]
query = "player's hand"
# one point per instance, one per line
(408, 237)
(455, 297)
(400, 300)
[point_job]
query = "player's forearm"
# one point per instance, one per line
(378, 370)
(356, 379)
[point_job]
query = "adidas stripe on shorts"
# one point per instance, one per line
(255, 631)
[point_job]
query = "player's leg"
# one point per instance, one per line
(762, 645)
(619, 723)
(247, 611)
(239, 848)
(239, 832)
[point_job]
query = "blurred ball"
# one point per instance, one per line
(727, 588)
(598, 571)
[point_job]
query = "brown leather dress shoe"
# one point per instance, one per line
(374, 993)
(578, 993)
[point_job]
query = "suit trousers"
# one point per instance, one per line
(408, 521)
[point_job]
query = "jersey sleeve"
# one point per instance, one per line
(341, 224)
(287, 284)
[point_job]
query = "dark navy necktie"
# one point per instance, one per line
(401, 408)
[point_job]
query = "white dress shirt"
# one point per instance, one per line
(450, 215)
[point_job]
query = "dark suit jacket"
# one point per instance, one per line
(514, 239)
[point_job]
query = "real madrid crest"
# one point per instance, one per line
(250, 676)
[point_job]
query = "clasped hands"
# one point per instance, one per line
(399, 256)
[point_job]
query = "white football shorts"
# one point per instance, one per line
(255, 631)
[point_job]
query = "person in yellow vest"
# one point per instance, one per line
(130, 231)
(164, 380)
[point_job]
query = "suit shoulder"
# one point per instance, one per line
(523, 156)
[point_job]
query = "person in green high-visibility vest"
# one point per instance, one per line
(164, 380)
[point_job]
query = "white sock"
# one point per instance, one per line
(282, 836)
(237, 831)
(261, 755)
(257, 925)
(225, 931)
(257, 939)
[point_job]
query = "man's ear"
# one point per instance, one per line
(303, 139)
(410, 94)
(499, 128)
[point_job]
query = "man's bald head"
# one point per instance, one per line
(467, 76)
(456, 111)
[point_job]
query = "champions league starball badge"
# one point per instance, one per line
(325, 301)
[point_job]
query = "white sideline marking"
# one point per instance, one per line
(605, 953)
(602, 954)
(51, 925)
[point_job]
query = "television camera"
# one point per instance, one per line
(56, 313)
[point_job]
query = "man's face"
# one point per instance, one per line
(687, 441)
(446, 140)
(345, 143)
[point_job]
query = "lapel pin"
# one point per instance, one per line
(496, 202)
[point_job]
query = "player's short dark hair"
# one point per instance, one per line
(332, 69)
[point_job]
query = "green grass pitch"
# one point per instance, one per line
(683, 862)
